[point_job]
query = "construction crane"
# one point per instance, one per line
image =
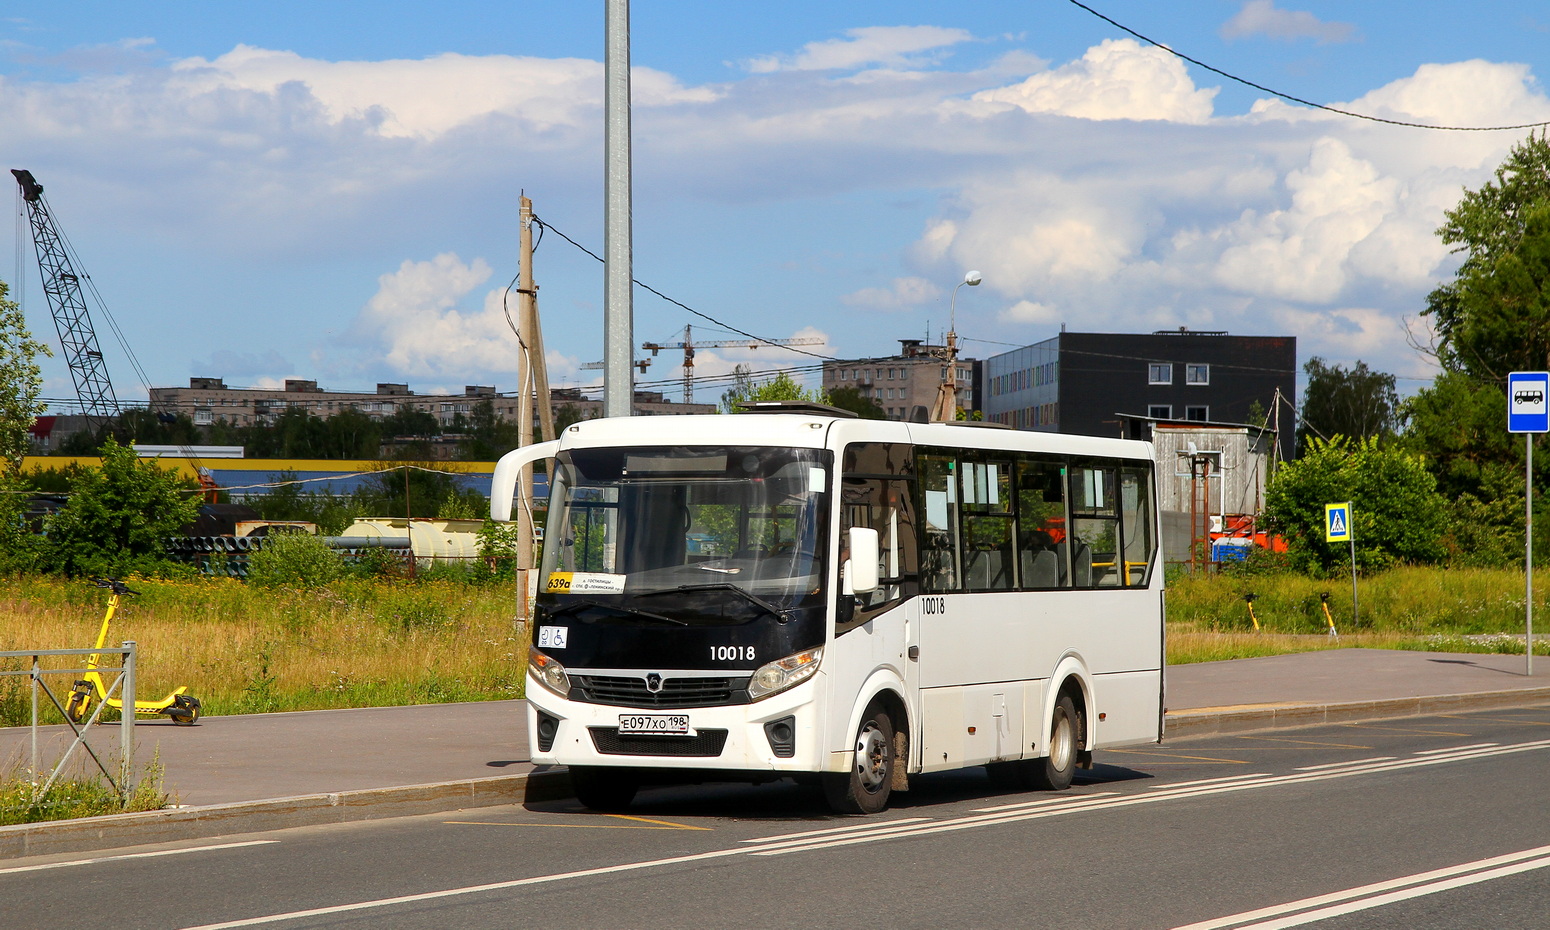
(63, 287)
(689, 345)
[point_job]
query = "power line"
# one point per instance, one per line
(1286, 96)
(679, 303)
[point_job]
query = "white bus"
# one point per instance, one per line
(802, 593)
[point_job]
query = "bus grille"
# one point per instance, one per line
(629, 691)
(609, 742)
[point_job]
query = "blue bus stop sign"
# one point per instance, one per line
(1528, 402)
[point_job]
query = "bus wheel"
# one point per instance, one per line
(1054, 771)
(604, 789)
(865, 788)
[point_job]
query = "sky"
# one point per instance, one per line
(330, 191)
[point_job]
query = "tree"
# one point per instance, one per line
(489, 436)
(1397, 514)
(780, 387)
(1356, 402)
(851, 398)
(20, 381)
(1493, 318)
(120, 516)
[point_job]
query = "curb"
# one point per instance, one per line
(90, 834)
(1210, 721)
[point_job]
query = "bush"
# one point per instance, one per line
(120, 516)
(1397, 515)
(295, 560)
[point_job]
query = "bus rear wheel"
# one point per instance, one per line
(604, 789)
(865, 788)
(1055, 771)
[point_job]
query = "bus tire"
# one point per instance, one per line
(865, 788)
(604, 789)
(1055, 771)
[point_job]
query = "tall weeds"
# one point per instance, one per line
(353, 643)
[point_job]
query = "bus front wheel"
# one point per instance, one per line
(1055, 771)
(604, 789)
(865, 788)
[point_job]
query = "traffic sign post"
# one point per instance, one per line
(1528, 412)
(1337, 528)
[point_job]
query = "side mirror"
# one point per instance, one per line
(861, 570)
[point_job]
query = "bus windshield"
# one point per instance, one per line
(738, 531)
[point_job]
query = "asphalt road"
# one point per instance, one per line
(1435, 822)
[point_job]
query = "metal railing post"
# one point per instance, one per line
(126, 741)
(32, 773)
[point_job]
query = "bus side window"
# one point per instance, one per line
(1135, 494)
(939, 537)
(987, 525)
(1043, 554)
(1095, 550)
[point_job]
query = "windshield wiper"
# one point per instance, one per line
(746, 595)
(576, 605)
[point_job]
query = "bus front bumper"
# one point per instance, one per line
(778, 734)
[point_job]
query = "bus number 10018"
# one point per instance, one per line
(731, 653)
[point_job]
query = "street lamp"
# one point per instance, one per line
(946, 410)
(972, 279)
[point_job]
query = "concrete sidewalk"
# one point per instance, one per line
(247, 773)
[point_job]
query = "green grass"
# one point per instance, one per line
(21, 802)
(1427, 609)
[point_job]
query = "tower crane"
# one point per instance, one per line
(689, 345)
(73, 323)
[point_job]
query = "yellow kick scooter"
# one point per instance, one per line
(182, 708)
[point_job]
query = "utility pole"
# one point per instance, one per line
(533, 381)
(618, 296)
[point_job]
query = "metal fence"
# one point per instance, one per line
(122, 685)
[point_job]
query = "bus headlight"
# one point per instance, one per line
(781, 674)
(548, 671)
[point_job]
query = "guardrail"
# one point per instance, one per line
(123, 684)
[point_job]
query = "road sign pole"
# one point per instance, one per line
(1351, 513)
(1528, 412)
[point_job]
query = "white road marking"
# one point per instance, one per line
(899, 829)
(1046, 802)
(144, 855)
(1341, 765)
(1335, 904)
(850, 829)
(1432, 752)
(1207, 781)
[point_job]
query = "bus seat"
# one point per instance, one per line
(1084, 565)
(1041, 569)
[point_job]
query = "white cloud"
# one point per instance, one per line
(1302, 252)
(1119, 79)
(1262, 17)
(1030, 312)
(893, 46)
(415, 322)
(904, 293)
(430, 96)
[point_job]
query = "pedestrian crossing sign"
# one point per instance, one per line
(1337, 522)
